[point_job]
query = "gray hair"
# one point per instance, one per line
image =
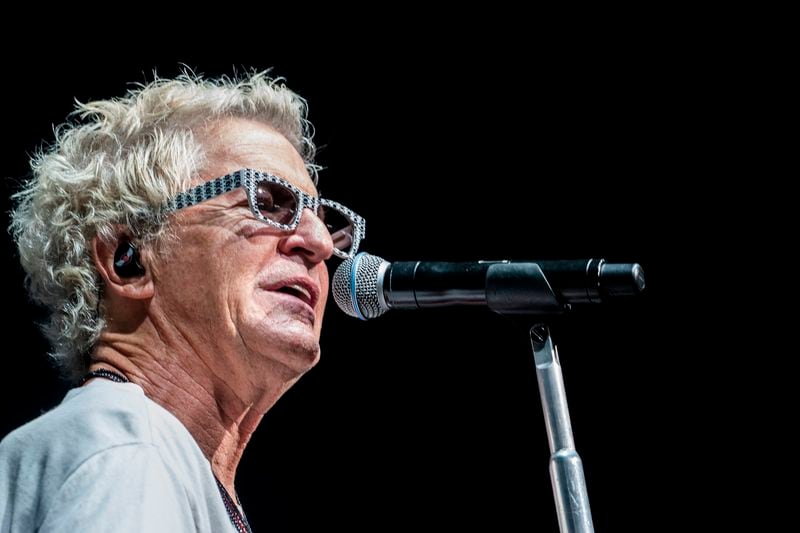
(117, 164)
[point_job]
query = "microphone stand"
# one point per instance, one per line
(566, 468)
(510, 291)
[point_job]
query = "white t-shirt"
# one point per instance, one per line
(107, 459)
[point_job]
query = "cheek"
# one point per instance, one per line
(196, 281)
(204, 265)
(324, 282)
(324, 285)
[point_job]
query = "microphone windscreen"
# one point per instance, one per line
(358, 286)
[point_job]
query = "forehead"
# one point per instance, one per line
(235, 143)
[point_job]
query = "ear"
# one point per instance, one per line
(138, 287)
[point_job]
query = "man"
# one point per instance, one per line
(177, 237)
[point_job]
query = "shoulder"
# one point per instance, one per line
(90, 418)
(100, 416)
(100, 435)
(124, 488)
(89, 421)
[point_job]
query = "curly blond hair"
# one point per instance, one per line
(118, 162)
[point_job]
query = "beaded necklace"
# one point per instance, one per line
(238, 519)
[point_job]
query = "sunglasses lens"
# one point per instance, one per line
(276, 202)
(339, 226)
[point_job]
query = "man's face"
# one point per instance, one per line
(250, 296)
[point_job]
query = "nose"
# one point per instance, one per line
(311, 239)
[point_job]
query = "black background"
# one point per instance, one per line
(459, 152)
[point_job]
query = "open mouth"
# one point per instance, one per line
(301, 288)
(298, 291)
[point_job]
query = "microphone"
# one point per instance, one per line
(366, 286)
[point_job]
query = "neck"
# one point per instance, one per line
(220, 412)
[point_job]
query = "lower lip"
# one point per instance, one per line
(297, 306)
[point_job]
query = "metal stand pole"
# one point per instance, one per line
(566, 468)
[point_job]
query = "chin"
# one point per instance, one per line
(297, 360)
(287, 338)
(296, 351)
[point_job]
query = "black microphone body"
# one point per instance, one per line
(417, 284)
(508, 287)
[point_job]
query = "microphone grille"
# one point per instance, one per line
(358, 287)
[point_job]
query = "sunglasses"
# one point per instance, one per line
(277, 203)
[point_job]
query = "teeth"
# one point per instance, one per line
(302, 290)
